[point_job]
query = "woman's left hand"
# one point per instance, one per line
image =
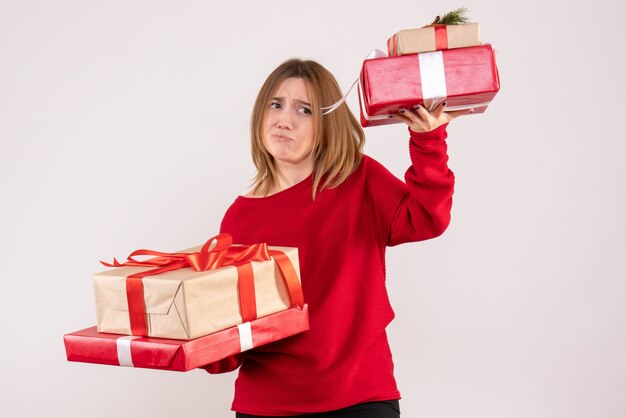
(421, 120)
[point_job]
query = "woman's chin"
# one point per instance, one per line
(285, 159)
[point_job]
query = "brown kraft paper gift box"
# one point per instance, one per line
(433, 38)
(187, 304)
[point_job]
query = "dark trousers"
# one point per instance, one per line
(383, 409)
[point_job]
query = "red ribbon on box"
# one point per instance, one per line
(441, 39)
(222, 254)
(392, 45)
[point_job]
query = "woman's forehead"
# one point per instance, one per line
(294, 88)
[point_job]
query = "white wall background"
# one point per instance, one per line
(124, 124)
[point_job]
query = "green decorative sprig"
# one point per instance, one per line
(455, 17)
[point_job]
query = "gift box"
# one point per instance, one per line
(193, 293)
(433, 38)
(91, 346)
(466, 78)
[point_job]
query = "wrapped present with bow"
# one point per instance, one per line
(91, 346)
(449, 31)
(466, 78)
(196, 292)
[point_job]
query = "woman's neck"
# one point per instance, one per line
(288, 175)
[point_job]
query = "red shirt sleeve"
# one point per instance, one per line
(424, 211)
(419, 208)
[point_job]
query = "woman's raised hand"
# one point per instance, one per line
(421, 120)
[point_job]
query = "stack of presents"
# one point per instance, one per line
(426, 66)
(180, 311)
(185, 310)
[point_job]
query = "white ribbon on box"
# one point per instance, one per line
(433, 77)
(245, 336)
(124, 357)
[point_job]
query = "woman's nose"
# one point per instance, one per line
(282, 125)
(284, 121)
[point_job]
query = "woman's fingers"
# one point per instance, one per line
(401, 118)
(411, 115)
(431, 120)
(423, 113)
(439, 109)
(420, 119)
(456, 113)
(410, 118)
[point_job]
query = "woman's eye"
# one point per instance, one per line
(275, 105)
(305, 110)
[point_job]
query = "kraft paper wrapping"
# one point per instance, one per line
(185, 304)
(413, 41)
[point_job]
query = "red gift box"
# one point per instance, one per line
(467, 78)
(90, 346)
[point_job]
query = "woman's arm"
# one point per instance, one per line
(225, 365)
(423, 212)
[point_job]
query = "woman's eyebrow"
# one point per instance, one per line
(282, 100)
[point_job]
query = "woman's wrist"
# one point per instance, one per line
(437, 133)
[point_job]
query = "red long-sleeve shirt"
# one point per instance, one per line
(344, 358)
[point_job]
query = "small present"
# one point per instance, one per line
(91, 346)
(449, 31)
(433, 38)
(466, 78)
(196, 292)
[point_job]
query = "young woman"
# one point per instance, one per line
(315, 190)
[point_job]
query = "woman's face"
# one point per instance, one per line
(288, 129)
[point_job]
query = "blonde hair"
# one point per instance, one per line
(338, 136)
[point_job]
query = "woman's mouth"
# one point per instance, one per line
(281, 138)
